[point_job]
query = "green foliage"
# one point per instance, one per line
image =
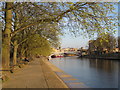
(107, 41)
(37, 45)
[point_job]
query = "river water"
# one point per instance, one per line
(92, 72)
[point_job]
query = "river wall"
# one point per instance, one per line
(69, 80)
(108, 56)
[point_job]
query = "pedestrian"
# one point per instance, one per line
(26, 59)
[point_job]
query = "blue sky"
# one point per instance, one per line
(73, 42)
(77, 42)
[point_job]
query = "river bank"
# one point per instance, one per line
(107, 56)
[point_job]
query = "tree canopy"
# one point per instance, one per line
(88, 17)
(38, 24)
(105, 41)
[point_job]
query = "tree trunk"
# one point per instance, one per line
(15, 53)
(7, 36)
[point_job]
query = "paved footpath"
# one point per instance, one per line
(36, 74)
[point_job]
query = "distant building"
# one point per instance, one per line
(116, 49)
(82, 52)
(69, 49)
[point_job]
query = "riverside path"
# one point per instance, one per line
(36, 74)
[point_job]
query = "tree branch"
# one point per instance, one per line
(46, 20)
(69, 10)
(12, 43)
(32, 24)
(26, 38)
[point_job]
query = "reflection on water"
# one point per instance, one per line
(94, 73)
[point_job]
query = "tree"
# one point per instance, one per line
(86, 15)
(7, 36)
(22, 38)
(8, 32)
(107, 41)
(36, 45)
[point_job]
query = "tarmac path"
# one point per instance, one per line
(36, 74)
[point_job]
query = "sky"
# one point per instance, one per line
(68, 41)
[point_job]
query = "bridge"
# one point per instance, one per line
(68, 53)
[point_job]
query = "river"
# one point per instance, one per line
(92, 72)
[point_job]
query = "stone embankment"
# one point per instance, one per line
(69, 80)
(107, 56)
